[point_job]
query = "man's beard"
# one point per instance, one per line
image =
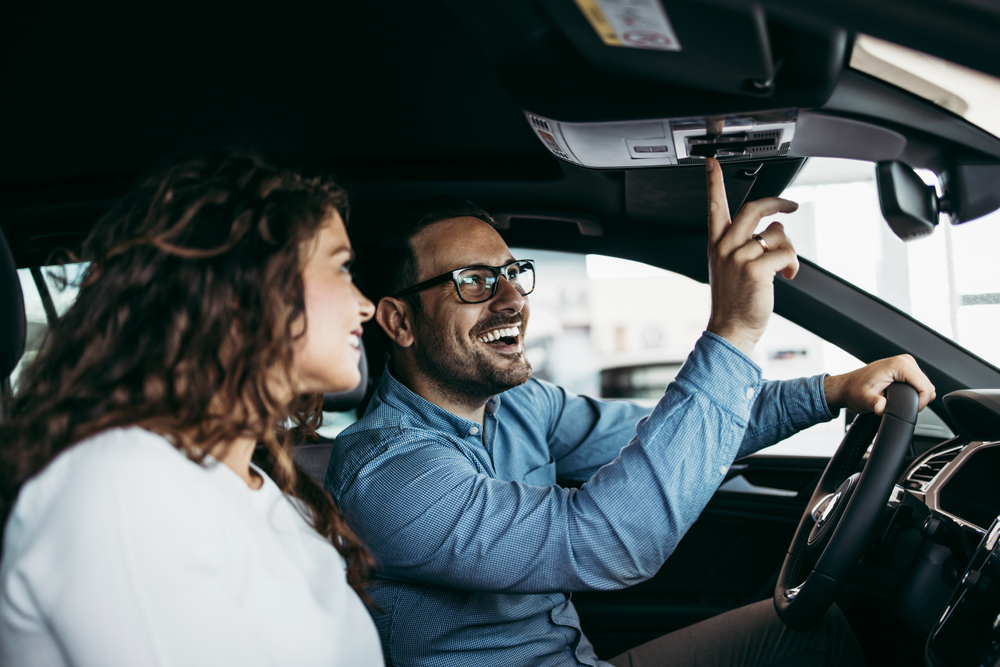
(468, 379)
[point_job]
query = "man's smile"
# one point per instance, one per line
(503, 339)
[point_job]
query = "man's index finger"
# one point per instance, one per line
(718, 204)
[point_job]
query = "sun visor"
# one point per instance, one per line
(668, 141)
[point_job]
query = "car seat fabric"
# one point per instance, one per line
(13, 324)
(314, 459)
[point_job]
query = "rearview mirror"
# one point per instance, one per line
(909, 205)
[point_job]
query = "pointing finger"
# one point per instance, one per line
(718, 204)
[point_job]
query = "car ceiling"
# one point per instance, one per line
(408, 99)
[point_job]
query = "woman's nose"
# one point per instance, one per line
(366, 307)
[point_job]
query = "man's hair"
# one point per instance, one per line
(385, 263)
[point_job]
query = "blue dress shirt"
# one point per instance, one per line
(479, 549)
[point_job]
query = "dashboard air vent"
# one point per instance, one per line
(924, 474)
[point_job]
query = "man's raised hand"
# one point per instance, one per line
(741, 271)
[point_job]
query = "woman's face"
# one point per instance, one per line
(326, 358)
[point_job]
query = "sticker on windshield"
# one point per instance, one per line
(634, 24)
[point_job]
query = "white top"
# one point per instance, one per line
(123, 552)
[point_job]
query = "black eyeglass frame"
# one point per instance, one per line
(453, 277)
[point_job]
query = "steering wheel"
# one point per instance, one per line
(845, 510)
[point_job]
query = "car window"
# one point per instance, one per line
(600, 326)
(617, 329)
(61, 285)
(947, 280)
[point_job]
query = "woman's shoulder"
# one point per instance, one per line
(131, 438)
(121, 467)
(126, 453)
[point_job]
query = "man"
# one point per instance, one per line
(450, 477)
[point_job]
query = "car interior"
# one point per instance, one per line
(582, 126)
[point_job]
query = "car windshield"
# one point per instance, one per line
(965, 92)
(947, 280)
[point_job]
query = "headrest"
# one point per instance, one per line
(348, 400)
(13, 325)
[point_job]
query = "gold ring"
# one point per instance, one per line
(760, 239)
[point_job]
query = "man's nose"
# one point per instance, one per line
(507, 299)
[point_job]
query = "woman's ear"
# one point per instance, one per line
(395, 318)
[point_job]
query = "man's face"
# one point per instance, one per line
(452, 343)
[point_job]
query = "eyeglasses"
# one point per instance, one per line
(476, 284)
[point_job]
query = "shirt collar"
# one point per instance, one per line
(419, 410)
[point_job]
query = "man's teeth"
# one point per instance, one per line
(497, 334)
(353, 340)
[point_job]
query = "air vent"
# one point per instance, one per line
(924, 474)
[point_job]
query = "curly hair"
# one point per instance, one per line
(184, 325)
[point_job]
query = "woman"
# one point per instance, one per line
(218, 307)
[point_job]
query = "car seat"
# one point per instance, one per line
(13, 323)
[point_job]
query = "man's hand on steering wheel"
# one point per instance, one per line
(863, 390)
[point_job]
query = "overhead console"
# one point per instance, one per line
(659, 143)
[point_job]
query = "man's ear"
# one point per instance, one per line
(396, 319)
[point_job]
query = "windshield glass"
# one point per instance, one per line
(965, 92)
(948, 280)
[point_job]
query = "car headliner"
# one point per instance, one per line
(402, 99)
(408, 99)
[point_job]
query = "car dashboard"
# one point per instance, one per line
(959, 482)
(952, 493)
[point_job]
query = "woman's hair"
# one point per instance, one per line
(184, 325)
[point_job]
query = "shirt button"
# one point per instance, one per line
(749, 393)
(473, 430)
(723, 469)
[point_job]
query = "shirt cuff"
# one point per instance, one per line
(817, 397)
(727, 376)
